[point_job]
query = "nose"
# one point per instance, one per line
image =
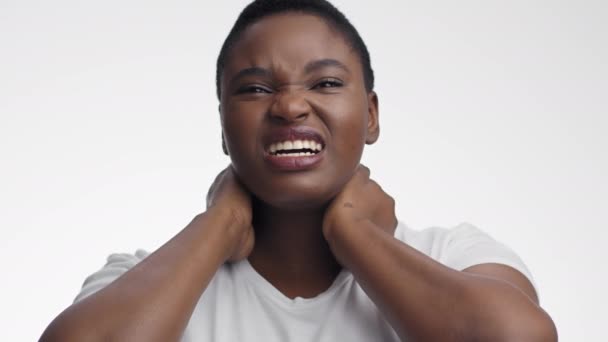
(289, 107)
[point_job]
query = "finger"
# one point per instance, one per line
(377, 185)
(208, 199)
(219, 177)
(216, 182)
(231, 169)
(364, 170)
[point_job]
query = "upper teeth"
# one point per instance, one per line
(295, 145)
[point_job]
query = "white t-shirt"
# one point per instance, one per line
(240, 305)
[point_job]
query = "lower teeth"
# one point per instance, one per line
(299, 154)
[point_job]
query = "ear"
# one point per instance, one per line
(219, 109)
(373, 125)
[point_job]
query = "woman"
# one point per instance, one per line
(297, 242)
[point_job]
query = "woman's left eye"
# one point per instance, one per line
(330, 83)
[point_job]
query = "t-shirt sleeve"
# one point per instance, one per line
(466, 246)
(116, 265)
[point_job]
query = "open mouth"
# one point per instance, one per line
(295, 148)
(290, 149)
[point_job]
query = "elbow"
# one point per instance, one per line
(64, 329)
(53, 334)
(539, 328)
(544, 330)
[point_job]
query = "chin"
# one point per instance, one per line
(294, 191)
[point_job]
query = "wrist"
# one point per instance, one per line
(227, 229)
(338, 231)
(332, 227)
(230, 217)
(350, 240)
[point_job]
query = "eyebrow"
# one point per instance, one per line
(253, 71)
(310, 67)
(324, 63)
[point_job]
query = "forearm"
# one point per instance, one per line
(154, 300)
(427, 301)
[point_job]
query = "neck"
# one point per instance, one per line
(290, 250)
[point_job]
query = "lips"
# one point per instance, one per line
(294, 149)
(292, 134)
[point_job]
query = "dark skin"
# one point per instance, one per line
(290, 249)
(355, 214)
(298, 229)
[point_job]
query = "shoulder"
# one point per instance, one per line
(461, 246)
(116, 264)
(434, 241)
(126, 259)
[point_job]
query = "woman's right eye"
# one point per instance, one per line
(253, 89)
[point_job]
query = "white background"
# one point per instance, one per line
(492, 112)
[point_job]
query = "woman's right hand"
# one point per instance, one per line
(228, 196)
(180, 269)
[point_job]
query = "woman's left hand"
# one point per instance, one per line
(361, 199)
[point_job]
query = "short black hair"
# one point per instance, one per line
(260, 9)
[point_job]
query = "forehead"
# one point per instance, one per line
(290, 41)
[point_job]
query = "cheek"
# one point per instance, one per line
(240, 125)
(240, 142)
(356, 130)
(349, 130)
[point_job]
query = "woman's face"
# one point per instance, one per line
(292, 86)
